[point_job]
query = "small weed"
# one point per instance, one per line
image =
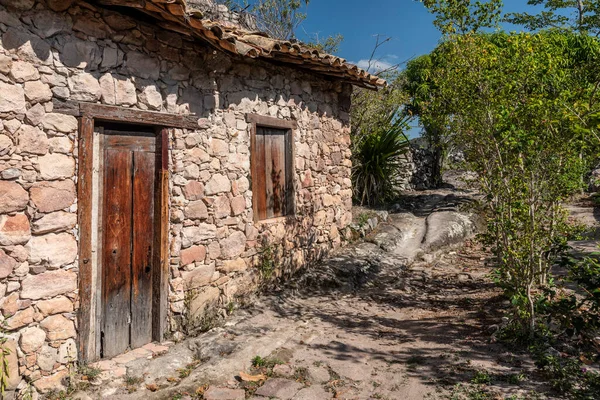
(363, 218)
(301, 375)
(267, 262)
(90, 372)
(185, 372)
(466, 392)
(258, 362)
(269, 363)
(210, 319)
(569, 376)
(481, 378)
(230, 307)
(57, 395)
(131, 382)
(193, 323)
(26, 393)
(514, 379)
(333, 375)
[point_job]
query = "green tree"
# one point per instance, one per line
(462, 16)
(452, 17)
(520, 106)
(425, 102)
(578, 15)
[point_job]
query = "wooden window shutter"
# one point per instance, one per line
(272, 173)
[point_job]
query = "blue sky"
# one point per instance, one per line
(407, 22)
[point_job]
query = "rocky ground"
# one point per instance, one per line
(409, 313)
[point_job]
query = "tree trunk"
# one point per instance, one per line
(434, 140)
(437, 167)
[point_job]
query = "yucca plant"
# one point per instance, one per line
(377, 160)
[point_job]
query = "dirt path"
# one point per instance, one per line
(363, 325)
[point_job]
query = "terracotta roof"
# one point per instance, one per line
(178, 16)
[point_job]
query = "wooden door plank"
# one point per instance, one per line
(290, 184)
(87, 349)
(132, 143)
(143, 238)
(116, 249)
(99, 226)
(160, 274)
(278, 172)
(259, 181)
(130, 115)
(269, 175)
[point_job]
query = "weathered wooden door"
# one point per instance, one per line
(128, 231)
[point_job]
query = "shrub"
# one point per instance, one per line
(515, 105)
(378, 160)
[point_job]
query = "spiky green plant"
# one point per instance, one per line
(378, 159)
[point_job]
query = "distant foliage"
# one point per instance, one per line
(329, 45)
(278, 18)
(372, 109)
(578, 15)
(464, 16)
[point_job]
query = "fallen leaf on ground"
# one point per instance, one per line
(252, 378)
(202, 389)
(153, 387)
(585, 360)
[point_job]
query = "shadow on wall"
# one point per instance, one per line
(285, 249)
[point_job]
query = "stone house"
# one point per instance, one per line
(148, 157)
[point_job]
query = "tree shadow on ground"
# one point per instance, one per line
(437, 327)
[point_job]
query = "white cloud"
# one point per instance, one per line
(376, 65)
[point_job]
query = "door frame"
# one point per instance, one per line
(88, 212)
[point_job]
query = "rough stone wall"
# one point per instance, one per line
(50, 53)
(416, 172)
